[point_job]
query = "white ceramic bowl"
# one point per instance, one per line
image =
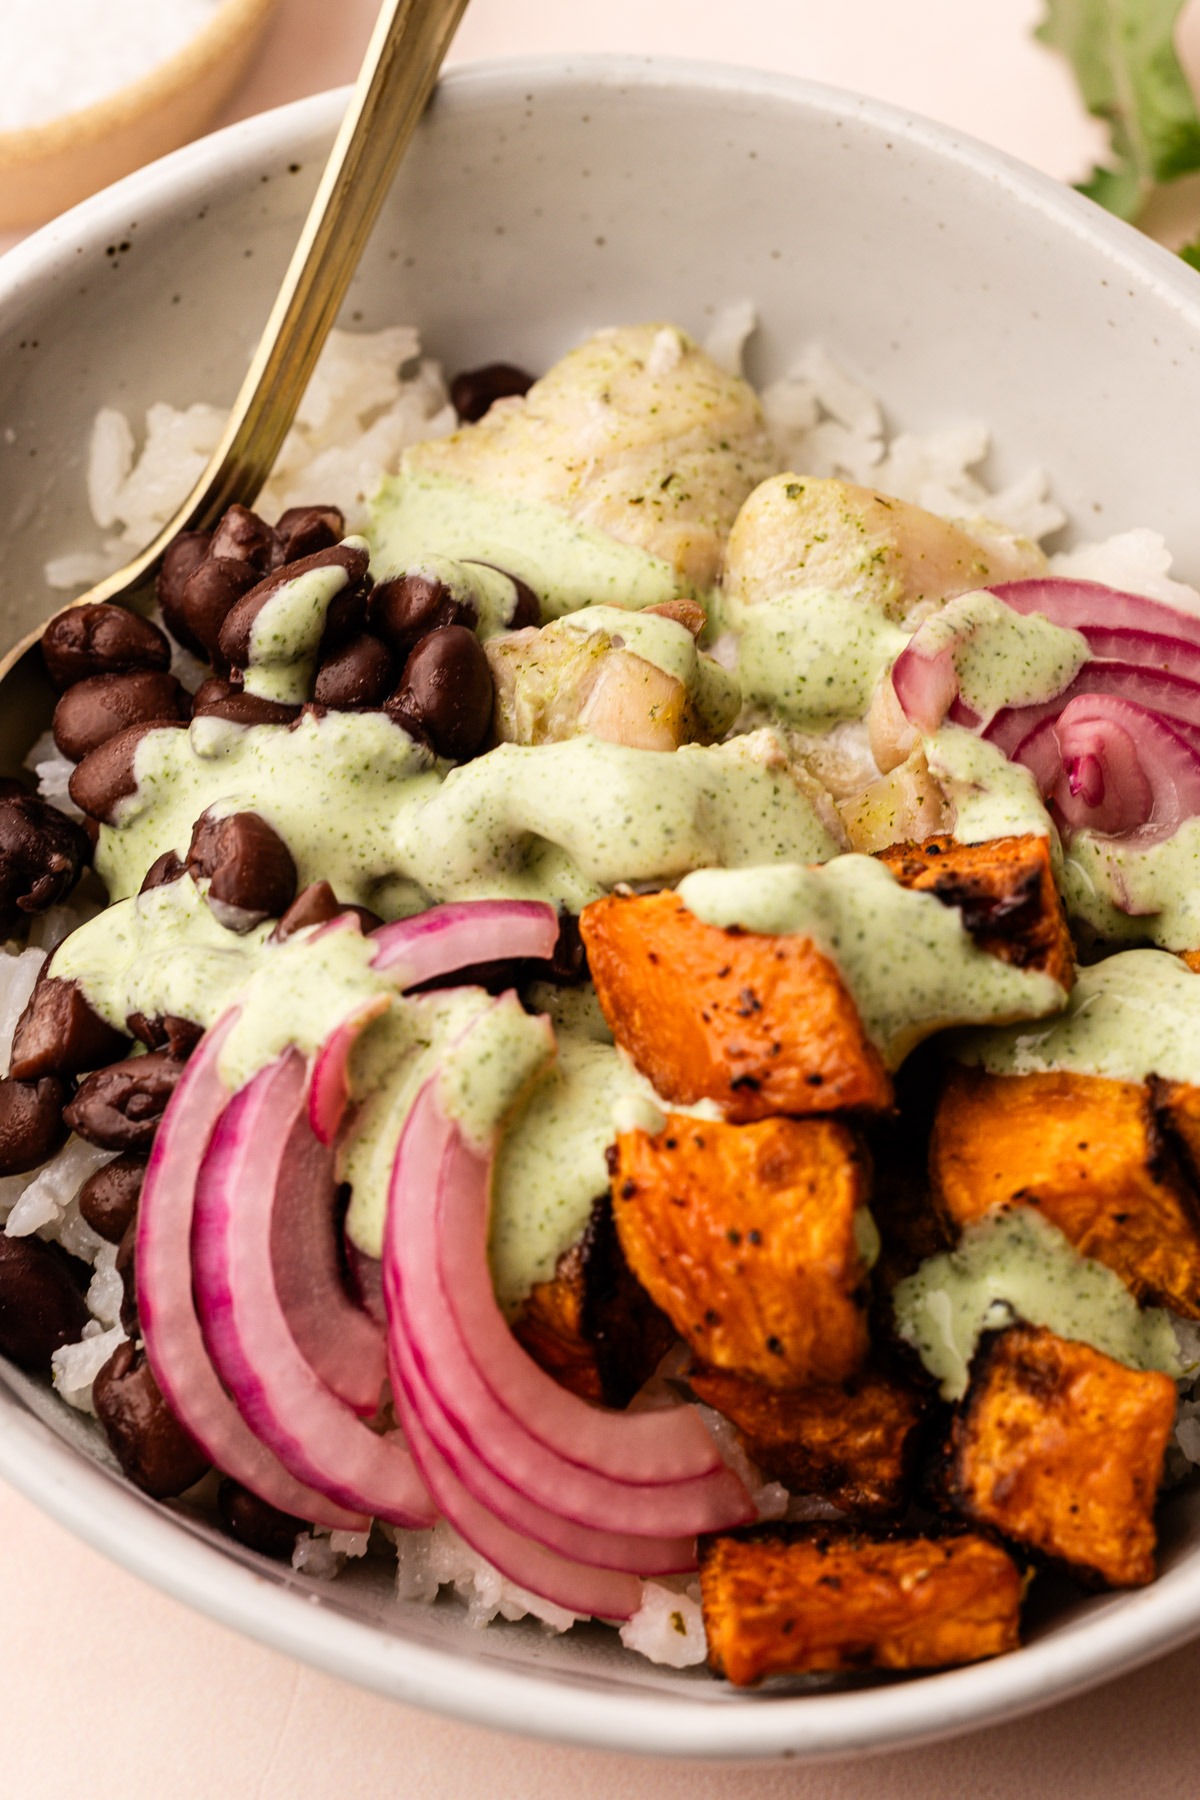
(539, 201)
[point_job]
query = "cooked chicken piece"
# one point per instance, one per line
(904, 806)
(1061, 1448)
(747, 1237)
(780, 1601)
(637, 433)
(760, 1024)
(797, 532)
(1085, 1150)
(627, 678)
(593, 1327)
(853, 1443)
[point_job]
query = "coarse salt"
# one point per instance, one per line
(60, 56)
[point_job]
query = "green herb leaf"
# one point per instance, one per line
(1191, 254)
(1123, 55)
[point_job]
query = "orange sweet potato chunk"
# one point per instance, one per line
(592, 1326)
(745, 1236)
(1061, 1448)
(1005, 891)
(1088, 1153)
(760, 1024)
(809, 1598)
(854, 1443)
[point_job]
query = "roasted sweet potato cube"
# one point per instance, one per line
(1005, 891)
(1177, 1107)
(1089, 1154)
(809, 1598)
(762, 1025)
(853, 1443)
(593, 1326)
(745, 1236)
(1061, 1448)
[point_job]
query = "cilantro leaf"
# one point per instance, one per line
(1123, 55)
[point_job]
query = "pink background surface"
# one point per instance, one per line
(112, 1691)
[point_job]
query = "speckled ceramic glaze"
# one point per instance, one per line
(542, 200)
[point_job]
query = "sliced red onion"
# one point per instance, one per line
(605, 1549)
(343, 1344)
(366, 1280)
(455, 936)
(925, 686)
(594, 1593)
(329, 1088)
(439, 1181)
(277, 1392)
(1159, 691)
(1111, 766)
(169, 1323)
(1091, 607)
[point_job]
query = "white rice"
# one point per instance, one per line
(372, 394)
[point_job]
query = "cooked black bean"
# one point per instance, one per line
(247, 865)
(162, 871)
(61, 1033)
(148, 1441)
(119, 1108)
(316, 905)
(41, 855)
(31, 1122)
(164, 1031)
(210, 593)
(474, 391)
(126, 1269)
(94, 710)
(109, 1197)
(255, 1523)
(407, 608)
(445, 694)
(234, 642)
(242, 536)
(303, 530)
(182, 556)
(101, 640)
(362, 672)
(41, 1303)
(106, 776)
(527, 608)
(217, 699)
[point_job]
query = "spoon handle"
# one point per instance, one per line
(401, 65)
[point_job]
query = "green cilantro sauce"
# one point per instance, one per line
(568, 821)
(906, 959)
(1126, 891)
(363, 807)
(329, 786)
(1016, 1265)
(566, 563)
(286, 634)
(1001, 657)
(991, 796)
(1133, 1015)
(812, 657)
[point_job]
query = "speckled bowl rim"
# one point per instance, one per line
(700, 1722)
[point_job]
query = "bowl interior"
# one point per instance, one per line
(540, 202)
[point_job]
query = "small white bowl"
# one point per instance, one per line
(47, 167)
(542, 200)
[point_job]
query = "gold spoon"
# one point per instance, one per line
(406, 50)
